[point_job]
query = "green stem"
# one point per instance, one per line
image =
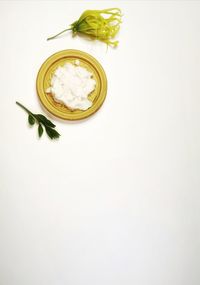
(29, 112)
(51, 38)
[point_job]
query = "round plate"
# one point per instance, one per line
(47, 70)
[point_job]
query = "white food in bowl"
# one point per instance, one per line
(71, 85)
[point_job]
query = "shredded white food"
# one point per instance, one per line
(71, 85)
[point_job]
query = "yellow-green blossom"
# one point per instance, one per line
(102, 25)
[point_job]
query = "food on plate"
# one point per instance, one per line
(71, 84)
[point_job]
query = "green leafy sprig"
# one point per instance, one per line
(43, 123)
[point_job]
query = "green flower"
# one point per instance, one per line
(102, 25)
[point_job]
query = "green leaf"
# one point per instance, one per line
(40, 130)
(42, 119)
(31, 120)
(53, 134)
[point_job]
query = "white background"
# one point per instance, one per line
(116, 199)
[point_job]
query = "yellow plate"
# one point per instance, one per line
(58, 59)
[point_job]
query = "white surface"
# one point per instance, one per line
(126, 210)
